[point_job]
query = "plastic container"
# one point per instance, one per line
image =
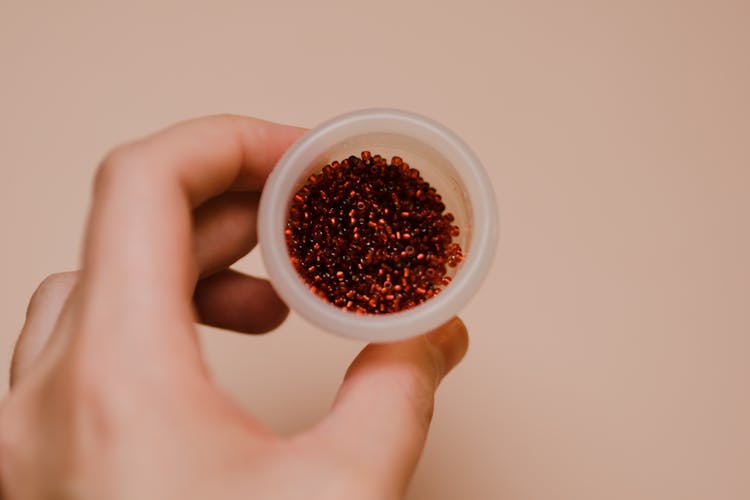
(443, 160)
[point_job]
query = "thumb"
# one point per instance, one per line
(384, 407)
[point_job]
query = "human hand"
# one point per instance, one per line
(110, 397)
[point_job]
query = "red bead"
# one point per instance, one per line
(373, 237)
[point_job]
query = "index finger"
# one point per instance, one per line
(138, 263)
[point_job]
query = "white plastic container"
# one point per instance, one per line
(443, 160)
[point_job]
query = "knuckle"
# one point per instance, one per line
(416, 388)
(417, 381)
(422, 374)
(420, 389)
(114, 161)
(119, 164)
(58, 281)
(57, 284)
(423, 402)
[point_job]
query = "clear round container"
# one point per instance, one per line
(443, 160)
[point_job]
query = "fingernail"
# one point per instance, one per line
(452, 341)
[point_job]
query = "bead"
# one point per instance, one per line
(371, 237)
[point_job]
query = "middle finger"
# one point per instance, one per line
(224, 230)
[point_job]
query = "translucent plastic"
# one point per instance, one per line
(443, 160)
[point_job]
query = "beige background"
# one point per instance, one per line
(610, 344)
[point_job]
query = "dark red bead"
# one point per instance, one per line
(373, 237)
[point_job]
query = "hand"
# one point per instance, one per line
(110, 397)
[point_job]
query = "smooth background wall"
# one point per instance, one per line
(610, 345)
